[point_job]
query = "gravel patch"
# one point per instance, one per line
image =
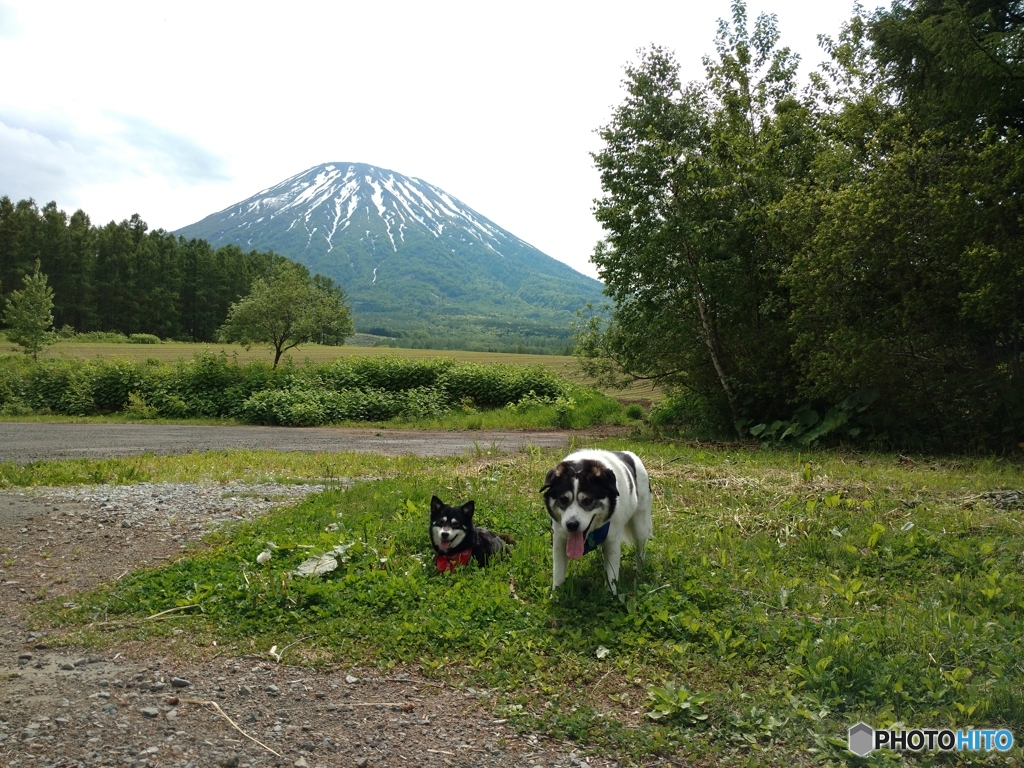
(130, 705)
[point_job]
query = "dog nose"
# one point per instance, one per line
(445, 535)
(572, 525)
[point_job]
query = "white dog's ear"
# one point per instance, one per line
(435, 504)
(553, 475)
(605, 478)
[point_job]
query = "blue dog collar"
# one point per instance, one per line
(596, 538)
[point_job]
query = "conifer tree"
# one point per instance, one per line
(29, 314)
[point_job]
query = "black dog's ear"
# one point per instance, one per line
(435, 505)
(468, 508)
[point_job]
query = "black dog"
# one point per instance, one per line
(456, 540)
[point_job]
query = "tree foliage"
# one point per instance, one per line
(780, 253)
(29, 314)
(693, 177)
(287, 309)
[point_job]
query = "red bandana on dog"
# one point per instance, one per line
(451, 562)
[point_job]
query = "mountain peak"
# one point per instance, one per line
(404, 250)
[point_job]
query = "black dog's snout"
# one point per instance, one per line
(572, 525)
(445, 535)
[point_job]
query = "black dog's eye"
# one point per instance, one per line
(587, 503)
(565, 500)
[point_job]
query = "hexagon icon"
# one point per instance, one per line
(861, 739)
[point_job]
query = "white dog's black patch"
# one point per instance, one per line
(597, 499)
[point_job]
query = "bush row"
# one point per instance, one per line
(212, 386)
(313, 408)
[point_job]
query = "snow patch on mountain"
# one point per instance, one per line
(326, 200)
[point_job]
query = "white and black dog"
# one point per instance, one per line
(597, 499)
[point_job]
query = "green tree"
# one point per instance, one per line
(287, 309)
(955, 63)
(29, 314)
(693, 179)
(907, 276)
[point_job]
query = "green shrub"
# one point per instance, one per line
(493, 386)
(61, 387)
(111, 381)
(205, 384)
(688, 410)
(105, 337)
(356, 389)
(397, 374)
(138, 407)
(143, 338)
(635, 411)
(316, 407)
(13, 372)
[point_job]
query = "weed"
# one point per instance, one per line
(676, 702)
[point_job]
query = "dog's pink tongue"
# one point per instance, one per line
(574, 546)
(444, 544)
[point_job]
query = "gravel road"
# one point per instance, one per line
(22, 442)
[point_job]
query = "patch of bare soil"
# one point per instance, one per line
(175, 705)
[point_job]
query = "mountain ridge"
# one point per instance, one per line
(412, 258)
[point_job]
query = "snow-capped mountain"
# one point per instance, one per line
(409, 255)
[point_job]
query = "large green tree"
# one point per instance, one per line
(287, 309)
(908, 273)
(693, 179)
(775, 251)
(29, 314)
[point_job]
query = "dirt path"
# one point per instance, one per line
(22, 442)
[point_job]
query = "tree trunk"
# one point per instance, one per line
(712, 343)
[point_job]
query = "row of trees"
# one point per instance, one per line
(775, 252)
(124, 277)
(284, 310)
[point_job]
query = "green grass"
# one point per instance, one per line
(785, 596)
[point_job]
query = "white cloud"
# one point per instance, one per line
(179, 110)
(10, 27)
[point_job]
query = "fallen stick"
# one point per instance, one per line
(277, 656)
(148, 618)
(223, 714)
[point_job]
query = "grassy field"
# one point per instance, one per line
(785, 596)
(171, 352)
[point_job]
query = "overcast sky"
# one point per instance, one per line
(177, 110)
